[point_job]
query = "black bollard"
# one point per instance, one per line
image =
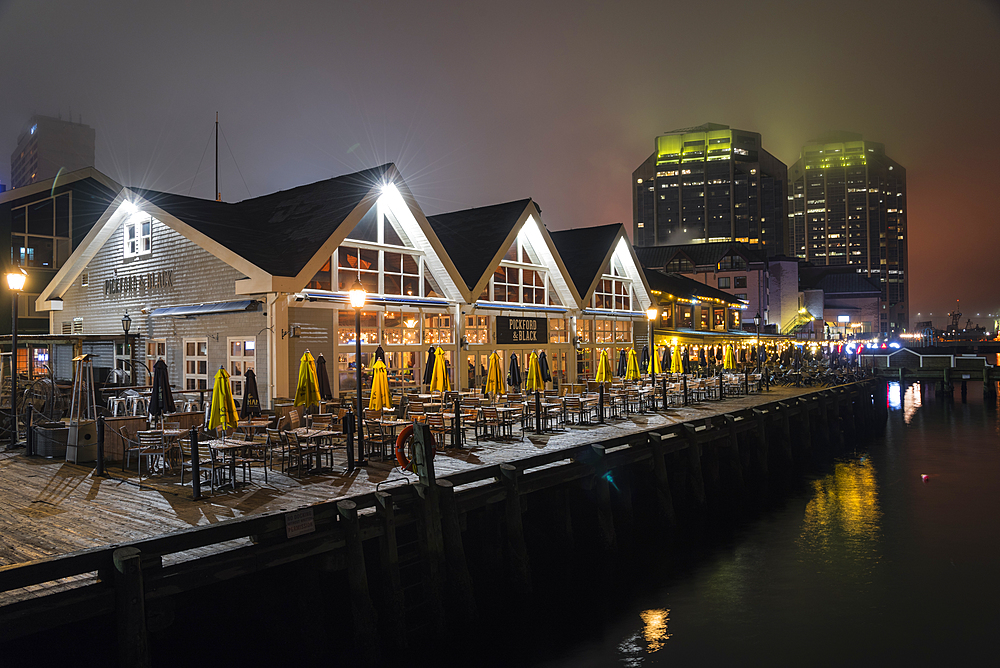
(746, 381)
(195, 465)
(664, 383)
(456, 438)
(600, 403)
(538, 412)
(684, 384)
(29, 437)
(99, 470)
(349, 425)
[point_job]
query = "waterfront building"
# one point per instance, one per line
(847, 207)
(710, 183)
(48, 146)
(257, 283)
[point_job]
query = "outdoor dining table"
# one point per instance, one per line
(313, 435)
(251, 427)
(545, 405)
(228, 447)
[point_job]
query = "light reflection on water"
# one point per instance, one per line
(842, 519)
(911, 402)
(654, 633)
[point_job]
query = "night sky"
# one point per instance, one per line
(483, 102)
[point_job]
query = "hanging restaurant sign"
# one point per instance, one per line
(133, 284)
(511, 329)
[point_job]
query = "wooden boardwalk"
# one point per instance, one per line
(49, 507)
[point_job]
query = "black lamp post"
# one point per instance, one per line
(651, 316)
(127, 325)
(357, 295)
(756, 326)
(15, 281)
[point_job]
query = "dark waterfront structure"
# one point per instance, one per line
(847, 206)
(710, 183)
(48, 145)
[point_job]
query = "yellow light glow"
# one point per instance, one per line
(357, 294)
(16, 279)
(651, 313)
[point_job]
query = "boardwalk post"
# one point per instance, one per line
(664, 500)
(804, 410)
(663, 382)
(195, 465)
(389, 557)
(130, 609)
(735, 466)
(459, 580)
(515, 547)
(602, 487)
(600, 404)
(362, 610)
(99, 470)
(762, 445)
(694, 462)
(423, 456)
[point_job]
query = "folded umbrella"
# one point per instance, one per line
(307, 389)
(603, 368)
(644, 359)
(251, 399)
(686, 361)
(622, 363)
(380, 355)
(701, 357)
(439, 376)
(494, 376)
(223, 410)
(514, 372)
(429, 366)
(653, 365)
(665, 358)
(632, 373)
(534, 380)
(162, 400)
(323, 378)
(676, 363)
(543, 365)
(380, 397)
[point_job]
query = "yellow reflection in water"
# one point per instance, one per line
(844, 513)
(911, 402)
(655, 631)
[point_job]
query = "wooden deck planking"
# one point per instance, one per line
(50, 507)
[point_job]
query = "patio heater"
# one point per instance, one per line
(357, 296)
(651, 316)
(15, 281)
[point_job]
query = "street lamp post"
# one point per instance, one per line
(651, 316)
(15, 281)
(127, 325)
(756, 326)
(357, 295)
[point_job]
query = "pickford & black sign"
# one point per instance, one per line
(512, 329)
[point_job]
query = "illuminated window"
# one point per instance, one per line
(437, 328)
(242, 358)
(400, 328)
(477, 328)
(138, 235)
(196, 364)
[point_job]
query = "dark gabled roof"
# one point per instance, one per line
(701, 255)
(838, 282)
(473, 237)
(684, 287)
(279, 232)
(583, 250)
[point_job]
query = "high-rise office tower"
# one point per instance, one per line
(48, 145)
(710, 183)
(847, 206)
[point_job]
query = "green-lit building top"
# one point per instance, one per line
(710, 183)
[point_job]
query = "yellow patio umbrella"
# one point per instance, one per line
(380, 387)
(495, 383)
(654, 363)
(676, 364)
(223, 411)
(632, 371)
(307, 389)
(439, 376)
(729, 361)
(534, 380)
(603, 374)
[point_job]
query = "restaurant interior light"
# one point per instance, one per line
(357, 294)
(16, 279)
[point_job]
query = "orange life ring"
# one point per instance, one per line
(404, 435)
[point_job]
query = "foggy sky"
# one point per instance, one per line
(484, 102)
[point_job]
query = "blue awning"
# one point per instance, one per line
(504, 306)
(385, 300)
(206, 309)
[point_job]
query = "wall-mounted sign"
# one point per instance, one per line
(512, 329)
(136, 284)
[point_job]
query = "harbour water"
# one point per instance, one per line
(889, 555)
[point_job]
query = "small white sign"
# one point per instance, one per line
(299, 523)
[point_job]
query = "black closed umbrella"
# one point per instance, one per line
(543, 366)
(644, 359)
(686, 361)
(251, 399)
(718, 353)
(622, 364)
(702, 360)
(162, 400)
(380, 355)
(753, 354)
(429, 367)
(322, 377)
(514, 373)
(665, 360)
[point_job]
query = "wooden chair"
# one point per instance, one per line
(438, 428)
(376, 437)
(277, 443)
(489, 422)
(299, 454)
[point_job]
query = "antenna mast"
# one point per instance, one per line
(218, 195)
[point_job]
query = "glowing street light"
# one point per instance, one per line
(15, 282)
(651, 316)
(357, 297)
